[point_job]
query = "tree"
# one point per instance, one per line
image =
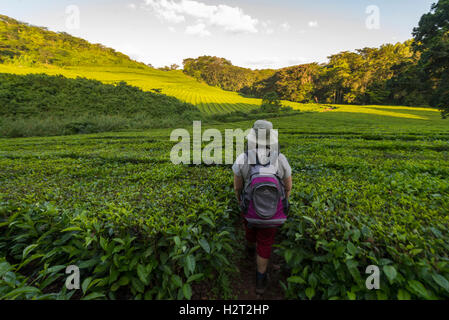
(293, 83)
(432, 39)
(271, 103)
(221, 73)
(174, 67)
(362, 77)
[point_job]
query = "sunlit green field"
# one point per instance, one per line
(370, 188)
(208, 99)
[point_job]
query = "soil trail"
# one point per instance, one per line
(244, 282)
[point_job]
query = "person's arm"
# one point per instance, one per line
(238, 187)
(288, 186)
(287, 170)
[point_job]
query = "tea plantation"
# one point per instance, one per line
(209, 100)
(370, 187)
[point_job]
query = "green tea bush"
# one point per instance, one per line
(367, 190)
(374, 206)
(120, 254)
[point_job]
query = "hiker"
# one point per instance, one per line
(262, 184)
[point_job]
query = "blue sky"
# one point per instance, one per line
(250, 33)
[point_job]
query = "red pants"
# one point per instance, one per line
(263, 237)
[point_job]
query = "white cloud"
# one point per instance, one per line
(313, 24)
(231, 19)
(267, 26)
(166, 10)
(198, 29)
(285, 26)
(132, 6)
(171, 16)
(172, 29)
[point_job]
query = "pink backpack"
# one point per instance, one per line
(263, 199)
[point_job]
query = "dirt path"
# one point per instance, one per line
(244, 282)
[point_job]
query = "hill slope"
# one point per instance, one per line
(38, 104)
(27, 49)
(29, 45)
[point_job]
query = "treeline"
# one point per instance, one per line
(38, 104)
(24, 44)
(220, 72)
(414, 73)
(366, 76)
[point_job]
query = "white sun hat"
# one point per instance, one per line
(262, 134)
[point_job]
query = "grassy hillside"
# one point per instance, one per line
(210, 100)
(27, 49)
(30, 45)
(38, 104)
(369, 187)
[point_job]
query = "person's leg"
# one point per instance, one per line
(265, 240)
(250, 249)
(262, 264)
(250, 235)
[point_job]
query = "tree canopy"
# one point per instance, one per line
(350, 77)
(432, 40)
(222, 73)
(28, 45)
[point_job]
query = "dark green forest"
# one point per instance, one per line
(413, 73)
(362, 77)
(220, 72)
(29, 45)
